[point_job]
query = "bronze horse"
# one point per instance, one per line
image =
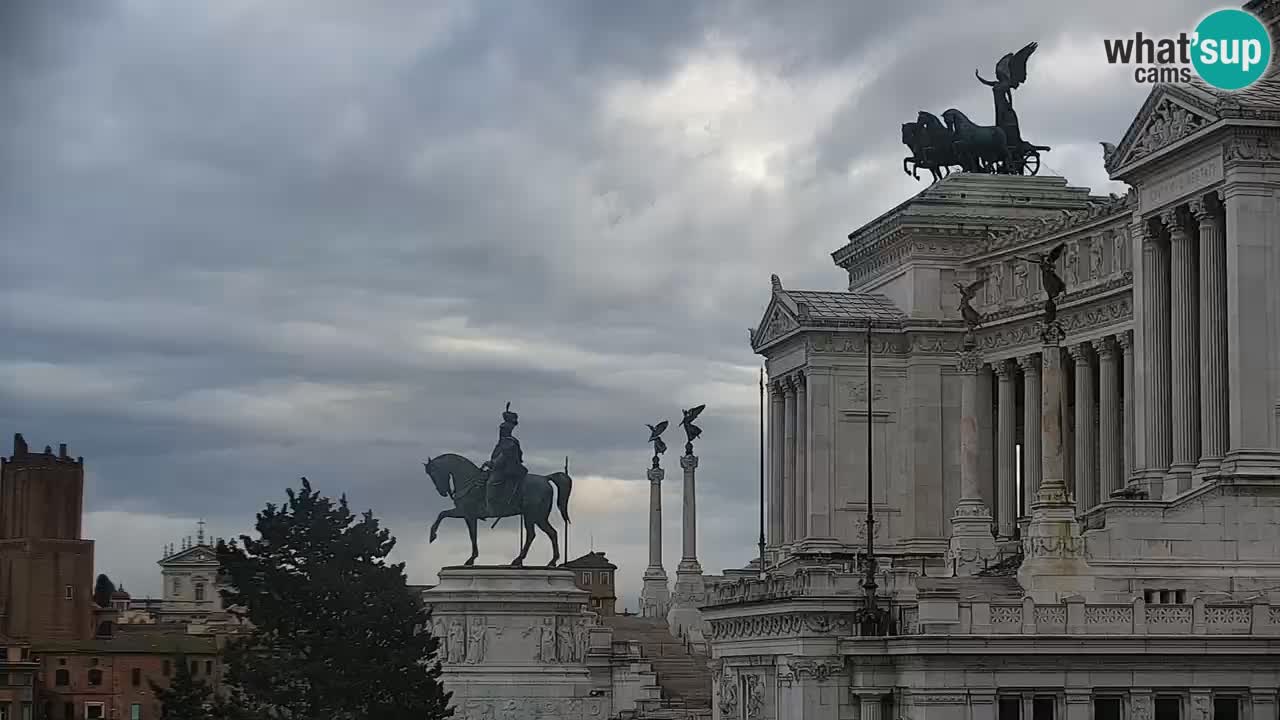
(979, 148)
(931, 144)
(458, 478)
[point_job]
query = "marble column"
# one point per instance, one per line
(1125, 341)
(1155, 327)
(655, 595)
(800, 486)
(689, 549)
(1110, 457)
(777, 409)
(1006, 449)
(789, 463)
(1086, 434)
(1184, 340)
(971, 544)
(1213, 334)
(1030, 427)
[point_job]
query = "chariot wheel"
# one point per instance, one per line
(1031, 162)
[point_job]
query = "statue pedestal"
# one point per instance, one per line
(685, 616)
(517, 640)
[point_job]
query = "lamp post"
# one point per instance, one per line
(872, 620)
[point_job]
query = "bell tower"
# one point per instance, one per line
(46, 567)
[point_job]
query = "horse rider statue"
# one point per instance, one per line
(505, 467)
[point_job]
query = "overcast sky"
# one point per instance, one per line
(249, 241)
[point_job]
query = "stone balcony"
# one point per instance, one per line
(942, 615)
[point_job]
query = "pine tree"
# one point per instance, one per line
(102, 591)
(335, 633)
(186, 698)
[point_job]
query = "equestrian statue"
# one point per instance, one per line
(501, 487)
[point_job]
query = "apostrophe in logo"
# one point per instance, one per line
(1232, 49)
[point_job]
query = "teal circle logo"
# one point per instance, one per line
(1232, 49)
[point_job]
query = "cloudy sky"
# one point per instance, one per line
(246, 241)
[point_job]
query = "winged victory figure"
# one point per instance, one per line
(655, 437)
(1011, 71)
(972, 318)
(1049, 279)
(691, 431)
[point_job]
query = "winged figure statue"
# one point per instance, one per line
(1011, 71)
(1049, 278)
(691, 431)
(655, 437)
(972, 318)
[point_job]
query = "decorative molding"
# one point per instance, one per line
(781, 625)
(1251, 148)
(1079, 319)
(819, 669)
(529, 708)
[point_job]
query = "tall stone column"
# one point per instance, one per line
(1155, 327)
(1213, 335)
(1184, 348)
(689, 549)
(1110, 460)
(655, 595)
(777, 409)
(1030, 426)
(800, 487)
(1086, 434)
(1006, 450)
(789, 463)
(685, 617)
(1125, 340)
(971, 545)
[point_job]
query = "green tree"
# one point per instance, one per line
(102, 591)
(335, 632)
(186, 697)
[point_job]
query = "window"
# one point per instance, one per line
(1168, 708)
(195, 667)
(95, 677)
(68, 592)
(166, 668)
(135, 676)
(199, 591)
(94, 711)
(586, 577)
(135, 711)
(1226, 708)
(1042, 708)
(208, 667)
(1106, 708)
(68, 711)
(62, 678)
(1010, 708)
(177, 586)
(4, 712)
(26, 711)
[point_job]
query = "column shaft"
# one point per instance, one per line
(689, 551)
(777, 410)
(1213, 335)
(800, 498)
(789, 464)
(1110, 461)
(1086, 434)
(1155, 325)
(1125, 339)
(1031, 458)
(1184, 349)
(1006, 448)
(655, 518)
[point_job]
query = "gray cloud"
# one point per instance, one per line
(255, 241)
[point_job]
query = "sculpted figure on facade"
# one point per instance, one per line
(1020, 280)
(566, 648)
(995, 284)
(1073, 264)
(475, 641)
(457, 645)
(728, 693)
(581, 639)
(1095, 258)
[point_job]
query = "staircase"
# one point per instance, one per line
(682, 674)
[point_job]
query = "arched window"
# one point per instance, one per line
(95, 677)
(62, 678)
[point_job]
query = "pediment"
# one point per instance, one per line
(778, 321)
(194, 555)
(1168, 116)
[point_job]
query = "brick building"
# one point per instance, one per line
(17, 681)
(46, 567)
(594, 573)
(111, 677)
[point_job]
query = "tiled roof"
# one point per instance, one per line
(159, 643)
(1262, 95)
(822, 305)
(591, 560)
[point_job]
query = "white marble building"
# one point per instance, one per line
(1082, 530)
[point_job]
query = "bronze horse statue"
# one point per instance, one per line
(979, 148)
(931, 144)
(458, 478)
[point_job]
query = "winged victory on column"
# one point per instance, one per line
(501, 487)
(1049, 279)
(691, 431)
(655, 437)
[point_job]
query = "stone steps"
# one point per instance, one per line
(683, 675)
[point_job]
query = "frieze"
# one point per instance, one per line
(1078, 319)
(819, 669)
(857, 392)
(1052, 546)
(940, 699)
(857, 343)
(1252, 148)
(1046, 226)
(530, 708)
(1192, 180)
(781, 625)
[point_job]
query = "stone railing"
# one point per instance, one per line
(804, 582)
(942, 614)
